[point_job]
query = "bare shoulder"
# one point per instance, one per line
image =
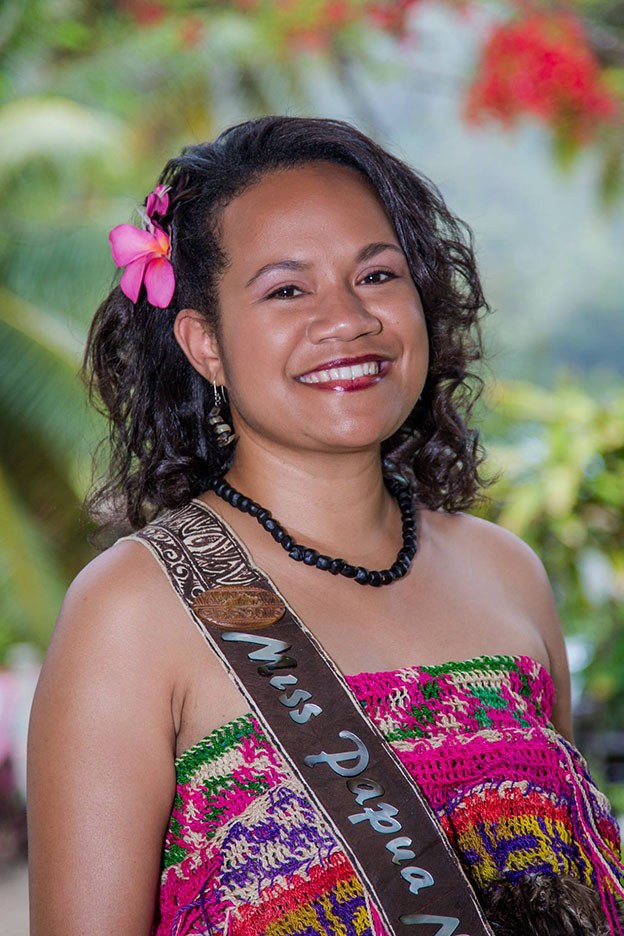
(483, 534)
(493, 547)
(498, 560)
(111, 641)
(494, 554)
(117, 607)
(125, 573)
(124, 584)
(124, 633)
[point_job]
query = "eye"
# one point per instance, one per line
(378, 276)
(284, 292)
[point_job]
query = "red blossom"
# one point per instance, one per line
(143, 12)
(287, 7)
(391, 15)
(339, 13)
(314, 40)
(313, 28)
(191, 31)
(541, 65)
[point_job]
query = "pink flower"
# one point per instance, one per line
(145, 255)
(157, 201)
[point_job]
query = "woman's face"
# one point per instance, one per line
(323, 344)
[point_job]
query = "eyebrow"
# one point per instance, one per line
(296, 265)
(366, 253)
(371, 250)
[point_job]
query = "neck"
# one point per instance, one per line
(331, 502)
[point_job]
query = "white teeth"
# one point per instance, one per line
(368, 369)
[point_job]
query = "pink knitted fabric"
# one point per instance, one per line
(247, 853)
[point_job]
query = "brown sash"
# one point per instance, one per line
(370, 802)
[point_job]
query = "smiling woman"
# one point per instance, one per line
(293, 338)
(204, 185)
(338, 295)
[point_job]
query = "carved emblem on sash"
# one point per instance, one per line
(239, 606)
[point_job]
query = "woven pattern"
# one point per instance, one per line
(506, 787)
(247, 853)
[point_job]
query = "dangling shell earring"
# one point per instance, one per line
(223, 431)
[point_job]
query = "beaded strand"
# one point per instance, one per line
(312, 557)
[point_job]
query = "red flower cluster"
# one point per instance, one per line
(391, 16)
(143, 12)
(313, 23)
(542, 65)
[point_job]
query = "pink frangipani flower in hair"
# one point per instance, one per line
(145, 254)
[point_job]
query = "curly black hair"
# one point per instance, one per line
(163, 450)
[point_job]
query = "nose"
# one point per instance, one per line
(344, 316)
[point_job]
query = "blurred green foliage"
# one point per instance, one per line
(558, 459)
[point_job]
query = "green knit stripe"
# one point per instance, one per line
(214, 746)
(487, 664)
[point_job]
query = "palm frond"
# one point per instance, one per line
(40, 392)
(56, 129)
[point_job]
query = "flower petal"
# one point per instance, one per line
(159, 282)
(129, 243)
(133, 277)
(158, 201)
(162, 242)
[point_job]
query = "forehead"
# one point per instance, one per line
(304, 204)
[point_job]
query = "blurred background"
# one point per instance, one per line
(513, 107)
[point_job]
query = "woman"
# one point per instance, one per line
(325, 289)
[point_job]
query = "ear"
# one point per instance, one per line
(199, 343)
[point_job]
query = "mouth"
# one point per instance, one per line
(347, 373)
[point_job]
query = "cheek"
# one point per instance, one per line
(416, 357)
(416, 335)
(262, 341)
(254, 354)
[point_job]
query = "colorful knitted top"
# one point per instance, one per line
(247, 854)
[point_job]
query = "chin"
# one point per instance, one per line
(356, 438)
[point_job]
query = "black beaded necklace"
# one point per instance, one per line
(311, 557)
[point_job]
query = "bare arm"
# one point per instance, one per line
(544, 613)
(100, 775)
